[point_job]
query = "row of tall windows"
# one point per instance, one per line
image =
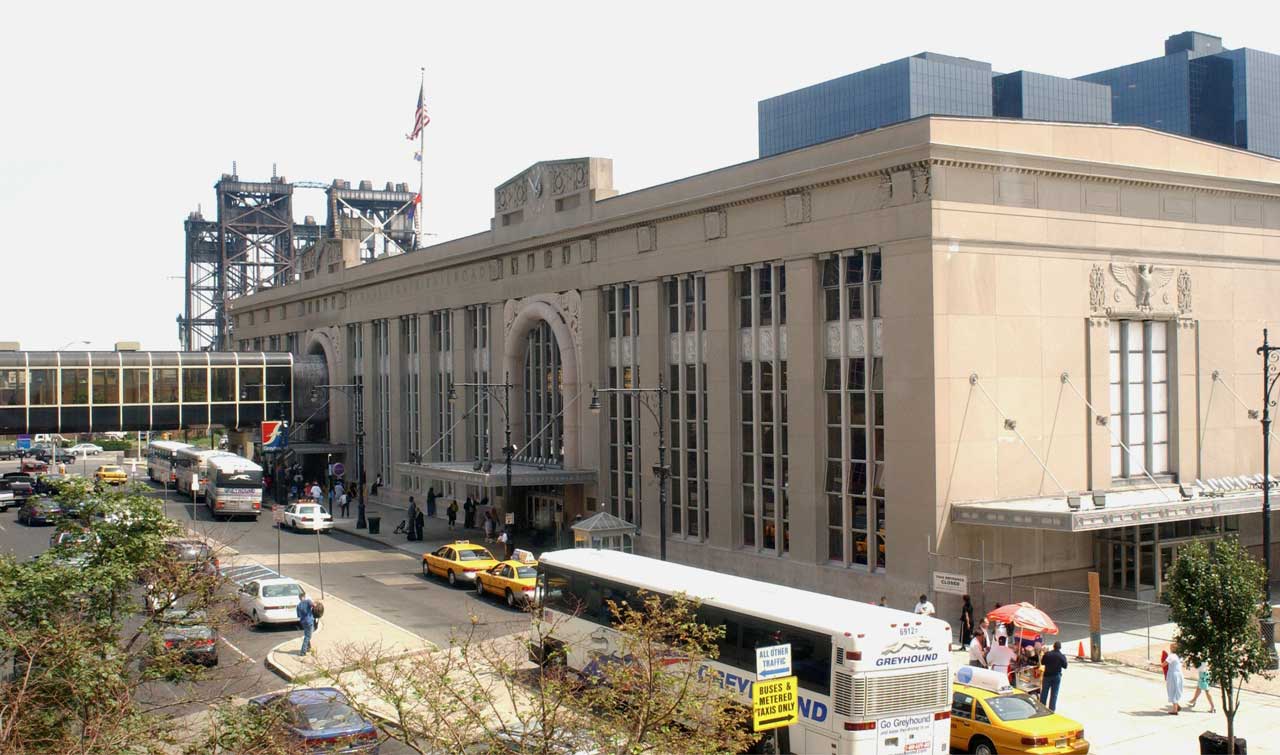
(854, 389)
(478, 445)
(1139, 364)
(382, 395)
(622, 314)
(543, 400)
(686, 302)
(355, 368)
(762, 309)
(442, 419)
(411, 386)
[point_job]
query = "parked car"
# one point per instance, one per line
(9, 453)
(53, 455)
(39, 510)
(34, 465)
(271, 601)
(85, 449)
(19, 485)
(72, 535)
(194, 553)
(7, 498)
(187, 631)
(111, 474)
(320, 719)
(307, 516)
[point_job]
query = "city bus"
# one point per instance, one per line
(871, 679)
(191, 468)
(161, 455)
(234, 486)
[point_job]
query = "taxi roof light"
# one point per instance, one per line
(992, 681)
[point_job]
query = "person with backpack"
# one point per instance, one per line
(306, 620)
(452, 513)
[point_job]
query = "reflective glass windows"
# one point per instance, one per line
(478, 348)
(762, 311)
(165, 385)
(195, 384)
(44, 387)
(382, 394)
(279, 384)
(222, 384)
(411, 385)
(106, 385)
(251, 384)
(686, 303)
(543, 400)
(13, 387)
(75, 386)
(440, 324)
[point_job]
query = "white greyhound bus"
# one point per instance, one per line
(872, 680)
(191, 468)
(161, 456)
(234, 486)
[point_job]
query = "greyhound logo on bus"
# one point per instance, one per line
(918, 649)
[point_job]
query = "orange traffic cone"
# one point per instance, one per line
(1080, 651)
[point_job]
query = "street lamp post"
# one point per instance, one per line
(1270, 374)
(660, 470)
(507, 450)
(357, 396)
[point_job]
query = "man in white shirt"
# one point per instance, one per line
(316, 493)
(977, 650)
(924, 607)
(1000, 657)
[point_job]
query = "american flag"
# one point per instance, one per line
(420, 117)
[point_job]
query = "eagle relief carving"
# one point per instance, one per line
(1143, 281)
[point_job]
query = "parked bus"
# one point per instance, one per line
(234, 486)
(871, 679)
(161, 455)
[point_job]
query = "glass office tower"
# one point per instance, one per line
(1036, 96)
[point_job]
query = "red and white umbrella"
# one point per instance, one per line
(1025, 616)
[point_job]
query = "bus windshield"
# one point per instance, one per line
(248, 478)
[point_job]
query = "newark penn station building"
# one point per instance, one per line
(952, 343)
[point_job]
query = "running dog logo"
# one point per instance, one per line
(910, 643)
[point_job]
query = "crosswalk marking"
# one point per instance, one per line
(247, 573)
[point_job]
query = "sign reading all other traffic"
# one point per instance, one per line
(773, 662)
(774, 703)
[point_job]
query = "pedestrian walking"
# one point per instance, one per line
(317, 494)
(377, 483)
(468, 513)
(966, 622)
(412, 517)
(331, 499)
(452, 513)
(306, 620)
(978, 648)
(489, 524)
(1202, 685)
(344, 503)
(507, 543)
(924, 607)
(339, 486)
(1173, 680)
(417, 525)
(431, 503)
(883, 602)
(1054, 662)
(1000, 657)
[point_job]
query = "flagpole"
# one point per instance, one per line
(422, 163)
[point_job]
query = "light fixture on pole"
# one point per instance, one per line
(1270, 374)
(660, 470)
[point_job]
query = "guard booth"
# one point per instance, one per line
(604, 531)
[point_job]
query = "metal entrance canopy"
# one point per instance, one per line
(1120, 508)
(522, 475)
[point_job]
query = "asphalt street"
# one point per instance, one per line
(381, 580)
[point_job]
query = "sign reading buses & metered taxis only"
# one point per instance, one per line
(774, 703)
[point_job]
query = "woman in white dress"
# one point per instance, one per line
(1173, 681)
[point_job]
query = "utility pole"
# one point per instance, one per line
(1270, 373)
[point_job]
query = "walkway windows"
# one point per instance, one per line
(250, 384)
(1139, 398)
(854, 385)
(622, 315)
(686, 301)
(106, 385)
(222, 384)
(762, 307)
(543, 399)
(166, 385)
(44, 387)
(13, 387)
(195, 385)
(75, 386)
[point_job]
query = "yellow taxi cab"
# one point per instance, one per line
(515, 580)
(458, 561)
(989, 716)
(111, 474)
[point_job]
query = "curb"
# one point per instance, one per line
(364, 535)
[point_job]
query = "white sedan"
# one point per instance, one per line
(271, 601)
(85, 449)
(307, 516)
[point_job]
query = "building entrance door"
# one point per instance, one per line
(544, 510)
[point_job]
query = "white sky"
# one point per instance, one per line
(118, 121)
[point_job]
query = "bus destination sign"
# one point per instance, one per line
(774, 703)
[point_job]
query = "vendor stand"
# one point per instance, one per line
(1028, 624)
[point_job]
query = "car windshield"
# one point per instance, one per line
(1017, 707)
(526, 572)
(479, 554)
(307, 509)
(281, 591)
(45, 504)
(109, 469)
(189, 632)
(330, 714)
(189, 551)
(182, 616)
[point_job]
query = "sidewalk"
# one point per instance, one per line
(344, 626)
(435, 531)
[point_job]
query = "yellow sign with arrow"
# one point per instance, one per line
(774, 703)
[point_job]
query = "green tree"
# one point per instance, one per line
(76, 646)
(1215, 598)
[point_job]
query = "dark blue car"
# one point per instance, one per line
(322, 721)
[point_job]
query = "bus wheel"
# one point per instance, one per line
(982, 746)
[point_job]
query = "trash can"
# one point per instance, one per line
(375, 523)
(1212, 744)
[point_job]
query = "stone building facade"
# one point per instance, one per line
(1024, 342)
